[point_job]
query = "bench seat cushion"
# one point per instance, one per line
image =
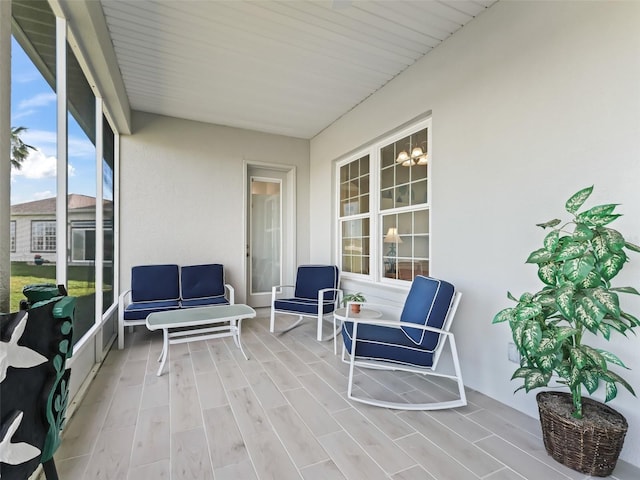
(203, 302)
(140, 310)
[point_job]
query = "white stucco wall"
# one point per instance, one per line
(531, 101)
(182, 193)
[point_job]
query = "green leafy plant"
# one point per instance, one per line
(353, 297)
(576, 264)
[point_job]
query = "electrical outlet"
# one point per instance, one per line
(512, 353)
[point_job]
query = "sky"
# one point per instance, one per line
(33, 106)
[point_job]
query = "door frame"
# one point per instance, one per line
(289, 238)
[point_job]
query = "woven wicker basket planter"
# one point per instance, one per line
(590, 445)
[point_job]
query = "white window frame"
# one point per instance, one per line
(376, 247)
(44, 236)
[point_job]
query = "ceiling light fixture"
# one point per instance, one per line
(418, 156)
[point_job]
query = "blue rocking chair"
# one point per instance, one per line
(413, 344)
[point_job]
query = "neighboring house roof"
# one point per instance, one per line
(48, 205)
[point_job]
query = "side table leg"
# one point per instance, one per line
(165, 349)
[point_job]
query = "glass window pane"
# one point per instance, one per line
(81, 201)
(108, 162)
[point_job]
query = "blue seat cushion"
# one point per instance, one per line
(390, 344)
(303, 306)
(155, 282)
(201, 281)
(140, 310)
(205, 301)
(428, 303)
(312, 278)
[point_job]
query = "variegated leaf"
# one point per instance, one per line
(610, 357)
(591, 281)
(550, 223)
(614, 377)
(562, 333)
(526, 297)
(607, 300)
(577, 269)
(593, 308)
(634, 321)
(582, 233)
(503, 315)
(595, 356)
(578, 358)
(547, 273)
(611, 391)
(536, 380)
(541, 255)
(583, 317)
(548, 344)
(600, 247)
(577, 199)
(531, 336)
(590, 381)
(612, 265)
(632, 246)
(517, 329)
(601, 209)
(625, 290)
(551, 240)
(596, 220)
(571, 250)
(617, 325)
(511, 297)
(521, 373)
(564, 300)
(547, 363)
(527, 311)
(615, 240)
(575, 377)
(605, 330)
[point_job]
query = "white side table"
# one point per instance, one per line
(343, 314)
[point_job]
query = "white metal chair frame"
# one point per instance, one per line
(319, 316)
(445, 335)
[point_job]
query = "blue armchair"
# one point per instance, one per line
(413, 344)
(315, 294)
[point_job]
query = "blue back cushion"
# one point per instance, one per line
(311, 278)
(427, 304)
(200, 281)
(154, 282)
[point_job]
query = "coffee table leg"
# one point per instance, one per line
(165, 349)
(236, 337)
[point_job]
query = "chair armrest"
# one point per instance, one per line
(231, 293)
(275, 288)
(123, 301)
(324, 290)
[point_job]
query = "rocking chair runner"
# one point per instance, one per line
(316, 294)
(413, 344)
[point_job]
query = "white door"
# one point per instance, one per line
(268, 233)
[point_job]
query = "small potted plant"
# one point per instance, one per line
(354, 297)
(550, 328)
(37, 259)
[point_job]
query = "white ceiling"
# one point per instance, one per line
(283, 67)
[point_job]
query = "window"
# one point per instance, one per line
(12, 233)
(354, 215)
(43, 236)
(383, 218)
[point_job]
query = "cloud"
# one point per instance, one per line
(38, 165)
(42, 195)
(46, 141)
(39, 100)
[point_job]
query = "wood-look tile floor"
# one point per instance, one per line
(283, 414)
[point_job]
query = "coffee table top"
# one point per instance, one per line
(341, 313)
(195, 316)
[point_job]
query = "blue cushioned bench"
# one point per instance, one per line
(158, 288)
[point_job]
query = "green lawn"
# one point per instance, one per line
(23, 273)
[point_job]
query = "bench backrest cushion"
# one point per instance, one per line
(312, 278)
(201, 281)
(428, 304)
(155, 282)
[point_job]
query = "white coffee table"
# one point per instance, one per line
(343, 314)
(198, 324)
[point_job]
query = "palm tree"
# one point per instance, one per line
(19, 149)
